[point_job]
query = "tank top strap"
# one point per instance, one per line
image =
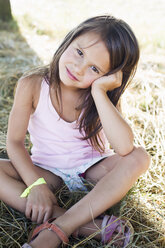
(44, 94)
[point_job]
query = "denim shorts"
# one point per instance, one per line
(73, 177)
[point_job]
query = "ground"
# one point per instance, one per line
(31, 41)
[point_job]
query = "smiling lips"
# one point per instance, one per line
(71, 76)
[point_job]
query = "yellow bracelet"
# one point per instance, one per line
(27, 190)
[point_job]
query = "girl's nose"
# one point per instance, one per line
(79, 68)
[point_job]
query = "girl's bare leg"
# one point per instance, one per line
(11, 187)
(114, 176)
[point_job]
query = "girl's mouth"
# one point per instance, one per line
(71, 76)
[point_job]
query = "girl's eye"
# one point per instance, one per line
(94, 69)
(79, 52)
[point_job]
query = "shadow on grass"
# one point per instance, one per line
(16, 57)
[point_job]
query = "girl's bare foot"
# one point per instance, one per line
(49, 239)
(46, 239)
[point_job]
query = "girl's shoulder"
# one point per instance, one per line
(32, 85)
(30, 81)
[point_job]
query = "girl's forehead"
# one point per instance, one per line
(88, 39)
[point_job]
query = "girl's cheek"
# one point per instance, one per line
(92, 77)
(69, 53)
(66, 55)
(89, 80)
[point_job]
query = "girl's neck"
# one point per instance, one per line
(70, 91)
(70, 95)
(70, 102)
(70, 98)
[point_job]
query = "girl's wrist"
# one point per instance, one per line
(39, 181)
(96, 90)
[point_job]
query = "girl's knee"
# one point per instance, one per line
(6, 168)
(141, 159)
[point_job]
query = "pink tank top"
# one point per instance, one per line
(56, 142)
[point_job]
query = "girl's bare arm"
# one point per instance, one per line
(39, 204)
(17, 128)
(117, 130)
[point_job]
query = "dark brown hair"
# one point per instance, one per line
(124, 54)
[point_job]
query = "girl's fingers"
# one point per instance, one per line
(120, 76)
(54, 200)
(40, 218)
(28, 211)
(109, 82)
(48, 214)
(34, 215)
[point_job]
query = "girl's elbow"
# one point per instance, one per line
(126, 150)
(11, 144)
(128, 146)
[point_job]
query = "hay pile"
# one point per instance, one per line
(143, 107)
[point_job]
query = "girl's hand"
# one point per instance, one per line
(110, 82)
(39, 205)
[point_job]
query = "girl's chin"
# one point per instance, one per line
(68, 85)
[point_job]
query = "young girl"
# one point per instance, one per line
(71, 110)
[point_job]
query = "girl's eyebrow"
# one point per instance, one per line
(93, 64)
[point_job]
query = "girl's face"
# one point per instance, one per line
(85, 60)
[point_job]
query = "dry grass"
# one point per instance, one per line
(34, 42)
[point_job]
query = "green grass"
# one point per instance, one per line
(33, 42)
